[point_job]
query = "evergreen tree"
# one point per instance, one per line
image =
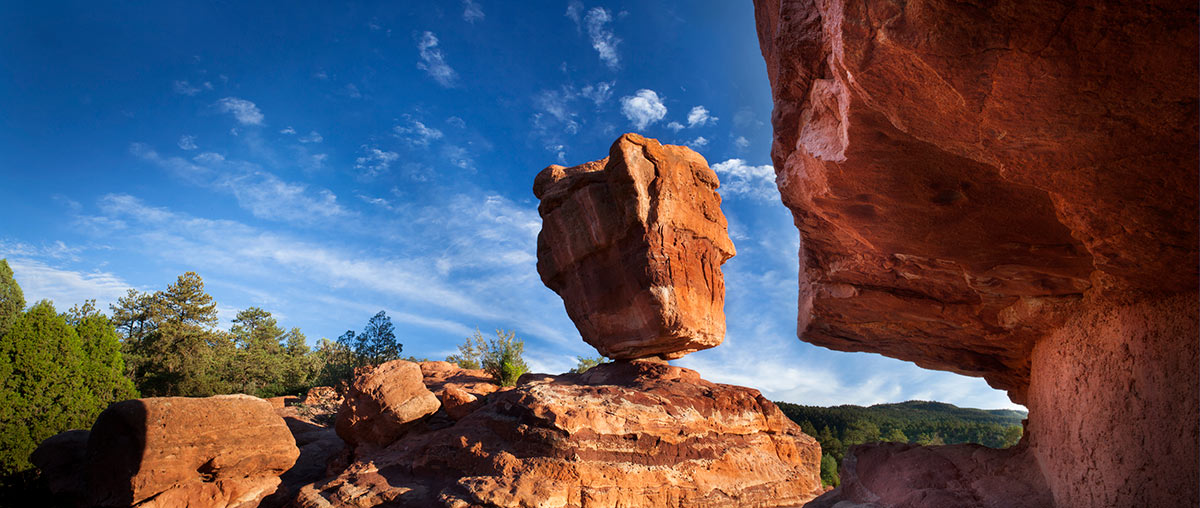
(586, 362)
(378, 340)
(43, 384)
(12, 299)
(105, 366)
(895, 436)
(260, 361)
(829, 471)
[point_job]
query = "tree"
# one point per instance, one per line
(895, 436)
(586, 362)
(43, 384)
(829, 471)
(105, 365)
(470, 353)
(502, 358)
(260, 361)
(379, 340)
(12, 299)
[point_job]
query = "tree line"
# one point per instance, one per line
(919, 422)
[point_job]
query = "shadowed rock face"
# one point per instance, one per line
(1007, 190)
(961, 174)
(633, 243)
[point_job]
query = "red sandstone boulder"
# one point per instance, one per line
(383, 403)
(634, 243)
(61, 460)
(223, 451)
(460, 390)
(633, 434)
(897, 474)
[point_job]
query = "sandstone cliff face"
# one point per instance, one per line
(634, 245)
(994, 189)
(622, 434)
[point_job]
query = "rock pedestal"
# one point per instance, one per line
(633, 243)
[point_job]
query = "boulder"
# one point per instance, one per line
(223, 451)
(460, 390)
(901, 474)
(633, 243)
(61, 460)
(1008, 190)
(632, 434)
(383, 403)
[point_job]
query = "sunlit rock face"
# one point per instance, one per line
(1006, 190)
(633, 243)
(628, 433)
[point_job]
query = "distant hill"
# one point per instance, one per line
(916, 421)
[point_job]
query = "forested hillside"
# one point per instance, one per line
(922, 422)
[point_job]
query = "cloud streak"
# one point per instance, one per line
(433, 62)
(244, 111)
(603, 40)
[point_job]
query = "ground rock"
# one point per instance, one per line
(383, 402)
(223, 451)
(61, 459)
(912, 476)
(622, 434)
(634, 243)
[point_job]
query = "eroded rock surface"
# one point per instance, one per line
(383, 402)
(223, 451)
(622, 434)
(896, 474)
(1007, 190)
(634, 245)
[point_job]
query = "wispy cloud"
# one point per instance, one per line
(244, 111)
(699, 116)
(287, 130)
(698, 142)
(416, 132)
(472, 12)
(42, 281)
(598, 93)
(603, 40)
(741, 143)
(374, 161)
(643, 108)
(675, 126)
(574, 10)
(311, 137)
(433, 62)
(741, 179)
(184, 88)
(187, 142)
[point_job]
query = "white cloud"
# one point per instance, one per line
(741, 143)
(374, 161)
(433, 62)
(458, 157)
(698, 116)
(472, 12)
(598, 93)
(42, 281)
(417, 133)
(455, 121)
(185, 88)
(288, 130)
(311, 137)
(557, 104)
(574, 7)
(699, 142)
(741, 179)
(643, 108)
(351, 91)
(603, 40)
(243, 110)
(187, 142)
(675, 126)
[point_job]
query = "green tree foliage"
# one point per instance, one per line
(47, 384)
(921, 422)
(375, 345)
(12, 299)
(829, 471)
(586, 362)
(500, 356)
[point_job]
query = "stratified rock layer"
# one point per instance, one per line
(223, 451)
(383, 403)
(1007, 190)
(633, 434)
(634, 245)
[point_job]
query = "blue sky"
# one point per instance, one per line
(327, 161)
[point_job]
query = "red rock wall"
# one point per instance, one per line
(1113, 407)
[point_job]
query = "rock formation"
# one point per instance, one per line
(634, 245)
(223, 451)
(383, 403)
(1007, 190)
(621, 434)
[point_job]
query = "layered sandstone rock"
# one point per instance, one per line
(634, 245)
(223, 451)
(460, 390)
(622, 434)
(1007, 190)
(897, 474)
(383, 403)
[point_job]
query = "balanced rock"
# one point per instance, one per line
(633, 243)
(216, 452)
(632, 434)
(383, 403)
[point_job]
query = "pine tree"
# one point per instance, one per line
(12, 299)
